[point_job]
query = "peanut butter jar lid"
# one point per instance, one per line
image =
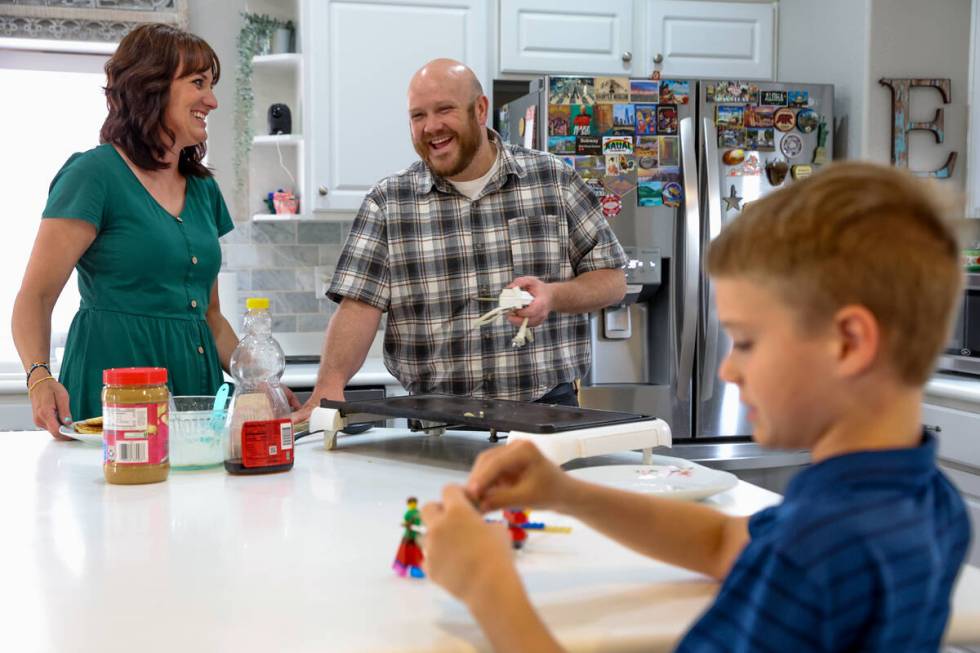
(135, 376)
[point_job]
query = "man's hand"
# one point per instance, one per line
(291, 398)
(303, 413)
(463, 553)
(537, 311)
(517, 475)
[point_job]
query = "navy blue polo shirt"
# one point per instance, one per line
(861, 555)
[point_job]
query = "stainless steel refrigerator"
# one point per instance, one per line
(724, 143)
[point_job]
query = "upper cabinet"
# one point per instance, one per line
(711, 39)
(559, 36)
(683, 38)
(361, 57)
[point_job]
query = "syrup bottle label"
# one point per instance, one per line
(267, 443)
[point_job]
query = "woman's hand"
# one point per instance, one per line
(49, 406)
(518, 474)
(463, 553)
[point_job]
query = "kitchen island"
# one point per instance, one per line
(301, 561)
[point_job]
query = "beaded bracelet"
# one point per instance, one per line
(34, 366)
(31, 387)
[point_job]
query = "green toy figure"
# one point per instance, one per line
(408, 560)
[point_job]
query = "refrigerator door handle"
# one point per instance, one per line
(709, 162)
(691, 248)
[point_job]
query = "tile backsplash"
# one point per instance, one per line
(290, 262)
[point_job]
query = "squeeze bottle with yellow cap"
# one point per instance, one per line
(260, 433)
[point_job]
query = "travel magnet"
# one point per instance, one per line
(773, 98)
(776, 171)
(820, 154)
(611, 205)
(672, 194)
(807, 120)
(798, 98)
(791, 146)
(784, 119)
(801, 171)
(732, 201)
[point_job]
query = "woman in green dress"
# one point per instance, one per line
(139, 217)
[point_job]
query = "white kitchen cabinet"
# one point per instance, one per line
(733, 40)
(562, 36)
(359, 57)
(958, 433)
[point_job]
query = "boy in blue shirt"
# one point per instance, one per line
(837, 293)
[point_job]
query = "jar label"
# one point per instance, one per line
(135, 434)
(267, 443)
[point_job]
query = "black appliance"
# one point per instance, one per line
(280, 120)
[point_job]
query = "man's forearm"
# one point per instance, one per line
(589, 291)
(349, 336)
(681, 533)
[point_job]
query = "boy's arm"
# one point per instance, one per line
(686, 534)
(473, 561)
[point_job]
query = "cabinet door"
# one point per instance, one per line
(558, 36)
(711, 39)
(359, 56)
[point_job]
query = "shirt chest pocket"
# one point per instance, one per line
(537, 246)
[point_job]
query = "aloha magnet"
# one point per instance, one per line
(611, 205)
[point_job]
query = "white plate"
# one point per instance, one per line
(675, 478)
(87, 438)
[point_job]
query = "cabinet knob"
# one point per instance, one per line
(935, 428)
(658, 58)
(322, 190)
(627, 56)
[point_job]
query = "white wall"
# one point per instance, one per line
(911, 38)
(218, 23)
(826, 42)
(854, 43)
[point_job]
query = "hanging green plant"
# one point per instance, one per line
(255, 38)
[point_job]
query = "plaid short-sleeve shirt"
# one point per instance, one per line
(426, 254)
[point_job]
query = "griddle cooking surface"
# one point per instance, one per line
(497, 414)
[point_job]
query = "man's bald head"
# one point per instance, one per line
(448, 74)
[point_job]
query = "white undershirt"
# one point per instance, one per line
(473, 188)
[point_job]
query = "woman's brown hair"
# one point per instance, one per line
(138, 78)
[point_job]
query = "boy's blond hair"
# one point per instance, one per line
(854, 233)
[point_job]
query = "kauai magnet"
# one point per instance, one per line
(673, 194)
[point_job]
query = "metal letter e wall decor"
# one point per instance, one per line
(902, 123)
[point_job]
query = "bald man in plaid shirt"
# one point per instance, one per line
(433, 246)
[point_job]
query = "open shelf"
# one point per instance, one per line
(282, 139)
(285, 61)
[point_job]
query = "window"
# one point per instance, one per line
(53, 106)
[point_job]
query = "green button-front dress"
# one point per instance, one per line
(145, 281)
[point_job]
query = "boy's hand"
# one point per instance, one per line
(463, 553)
(517, 475)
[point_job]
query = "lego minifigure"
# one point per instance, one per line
(516, 518)
(408, 560)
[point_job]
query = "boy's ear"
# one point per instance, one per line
(858, 339)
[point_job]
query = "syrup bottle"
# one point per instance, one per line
(260, 433)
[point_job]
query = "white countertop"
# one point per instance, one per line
(958, 389)
(301, 561)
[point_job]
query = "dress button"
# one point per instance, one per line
(194, 260)
(193, 303)
(484, 291)
(478, 246)
(488, 377)
(200, 350)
